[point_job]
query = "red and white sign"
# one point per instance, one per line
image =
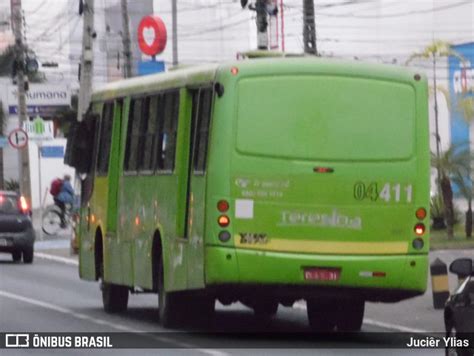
(18, 138)
(152, 35)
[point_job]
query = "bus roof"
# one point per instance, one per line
(264, 66)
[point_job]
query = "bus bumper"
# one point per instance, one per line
(282, 274)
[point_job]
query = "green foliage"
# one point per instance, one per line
(12, 185)
(466, 108)
(7, 59)
(456, 160)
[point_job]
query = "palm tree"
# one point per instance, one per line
(466, 188)
(465, 106)
(433, 52)
(455, 161)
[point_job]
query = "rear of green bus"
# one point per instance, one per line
(318, 182)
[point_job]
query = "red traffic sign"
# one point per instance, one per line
(152, 35)
(18, 138)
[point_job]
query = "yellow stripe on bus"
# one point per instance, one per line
(310, 246)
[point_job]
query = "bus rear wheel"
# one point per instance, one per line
(114, 297)
(171, 306)
(321, 314)
(350, 315)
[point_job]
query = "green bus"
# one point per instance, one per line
(261, 181)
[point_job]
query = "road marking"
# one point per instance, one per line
(102, 322)
(65, 260)
(396, 327)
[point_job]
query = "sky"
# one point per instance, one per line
(373, 30)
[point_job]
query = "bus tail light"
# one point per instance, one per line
(223, 206)
(224, 236)
(418, 243)
(419, 229)
(420, 213)
(223, 221)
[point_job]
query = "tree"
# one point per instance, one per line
(466, 188)
(433, 52)
(7, 61)
(455, 161)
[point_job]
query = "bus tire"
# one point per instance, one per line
(321, 314)
(114, 297)
(170, 306)
(350, 315)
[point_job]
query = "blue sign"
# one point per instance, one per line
(3, 141)
(52, 151)
(150, 67)
(42, 110)
(461, 85)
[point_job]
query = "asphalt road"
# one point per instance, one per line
(49, 297)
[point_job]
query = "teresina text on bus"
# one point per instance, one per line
(334, 219)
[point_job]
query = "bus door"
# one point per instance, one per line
(196, 186)
(105, 189)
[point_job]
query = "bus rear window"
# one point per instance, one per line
(325, 118)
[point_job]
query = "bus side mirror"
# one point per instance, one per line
(80, 143)
(462, 267)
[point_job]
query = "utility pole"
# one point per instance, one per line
(127, 53)
(262, 24)
(174, 11)
(309, 28)
(23, 157)
(87, 58)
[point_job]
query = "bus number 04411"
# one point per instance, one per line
(389, 192)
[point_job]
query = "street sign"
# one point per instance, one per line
(39, 130)
(18, 138)
(52, 151)
(151, 35)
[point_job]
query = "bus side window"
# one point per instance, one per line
(105, 139)
(133, 135)
(166, 133)
(202, 105)
(142, 134)
(149, 137)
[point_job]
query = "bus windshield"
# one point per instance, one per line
(320, 117)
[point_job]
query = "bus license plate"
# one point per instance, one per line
(322, 274)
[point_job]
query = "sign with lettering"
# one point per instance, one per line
(42, 94)
(39, 129)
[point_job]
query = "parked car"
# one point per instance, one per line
(459, 309)
(17, 235)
